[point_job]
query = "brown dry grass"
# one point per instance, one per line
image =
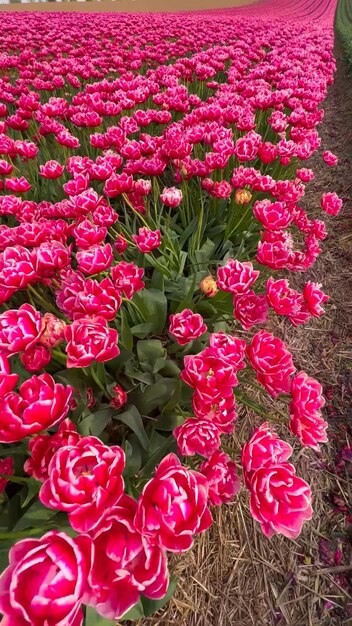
(124, 6)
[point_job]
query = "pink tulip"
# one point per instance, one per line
(124, 563)
(186, 326)
(173, 506)
(45, 581)
(43, 447)
(88, 340)
(280, 501)
(264, 448)
(84, 480)
(236, 277)
(197, 436)
(221, 474)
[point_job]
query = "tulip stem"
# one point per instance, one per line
(47, 305)
(59, 356)
(20, 480)
(23, 534)
(98, 382)
(135, 211)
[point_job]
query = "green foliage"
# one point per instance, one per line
(343, 25)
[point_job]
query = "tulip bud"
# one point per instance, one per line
(35, 359)
(208, 286)
(53, 331)
(242, 196)
(120, 397)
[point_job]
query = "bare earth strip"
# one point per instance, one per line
(125, 6)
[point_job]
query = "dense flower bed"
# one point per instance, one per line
(151, 179)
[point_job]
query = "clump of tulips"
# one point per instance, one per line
(151, 181)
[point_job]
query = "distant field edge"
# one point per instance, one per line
(126, 6)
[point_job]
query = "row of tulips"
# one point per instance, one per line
(152, 181)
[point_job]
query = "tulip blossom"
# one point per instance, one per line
(128, 278)
(124, 563)
(196, 436)
(7, 468)
(280, 501)
(40, 404)
(89, 340)
(250, 309)
(51, 170)
(223, 481)
(171, 197)
(186, 326)
(305, 409)
(264, 448)
(55, 569)
(236, 277)
(43, 447)
(173, 506)
(19, 329)
(331, 203)
(208, 286)
(147, 240)
(84, 480)
(330, 158)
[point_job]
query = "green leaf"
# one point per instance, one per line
(126, 337)
(203, 256)
(205, 308)
(151, 606)
(33, 490)
(156, 395)
(221, 327)
(144, 377)
(133, 456)
(93, 619)
(257, 408)
(136, 612)
(155, 458)
(190, 286)
(158, 281)
(153, 305)
(36, 515)
(170, 405)
(21, 450)
(170, 369)
(142, 330)
(188, 232)
(95, 423)
(149, 350)
(74, 377)
(132, 418)
(169, 421)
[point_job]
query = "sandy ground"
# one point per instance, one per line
(125, 6)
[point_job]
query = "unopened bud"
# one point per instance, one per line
(243, 196)
(208, 286)
(53, 331)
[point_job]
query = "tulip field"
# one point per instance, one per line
(154, 239)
